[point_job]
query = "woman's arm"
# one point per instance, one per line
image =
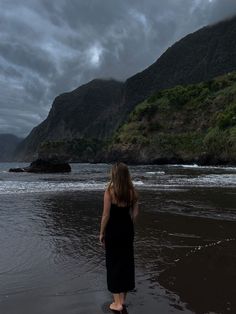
(105, 215)
(135, 211)
(135, 207)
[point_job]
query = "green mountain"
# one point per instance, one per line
(200, 56)
(193, 123)
(81, 123)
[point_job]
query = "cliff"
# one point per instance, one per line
(193, 123)
(93, 112)
(200, 56)
(90, 111)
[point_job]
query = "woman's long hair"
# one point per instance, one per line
(121, 184)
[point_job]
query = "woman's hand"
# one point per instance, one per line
(101, 239)
(105, 216)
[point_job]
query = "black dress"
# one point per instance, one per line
(119, 237)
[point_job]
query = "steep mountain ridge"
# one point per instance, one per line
(184, 124)
(91, 110)
(199, 56)
(95, 110)
(190, 123)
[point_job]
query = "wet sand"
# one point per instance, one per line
(185, 251)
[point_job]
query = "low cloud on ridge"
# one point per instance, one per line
(49, 47)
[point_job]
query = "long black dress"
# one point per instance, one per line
(119, 237)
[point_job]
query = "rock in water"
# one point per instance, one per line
(44, 166)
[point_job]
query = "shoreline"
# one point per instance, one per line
(148, 163)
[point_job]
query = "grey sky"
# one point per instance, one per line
(48, 47)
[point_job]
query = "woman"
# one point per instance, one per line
(117, 233)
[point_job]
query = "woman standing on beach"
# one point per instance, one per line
(117, 233)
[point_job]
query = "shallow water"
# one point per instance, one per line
(51, 261)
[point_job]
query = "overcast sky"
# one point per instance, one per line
(48, 47)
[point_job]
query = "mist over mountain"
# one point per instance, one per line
(8, 144)
(200, 56)
(95, 110)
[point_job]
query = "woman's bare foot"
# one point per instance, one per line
(116, 307)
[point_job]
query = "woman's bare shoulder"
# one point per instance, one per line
(108, 192)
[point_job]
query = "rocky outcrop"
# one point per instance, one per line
(44, 166)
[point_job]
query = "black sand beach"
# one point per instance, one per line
(185, 252)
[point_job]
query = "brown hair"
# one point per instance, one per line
(121, 185)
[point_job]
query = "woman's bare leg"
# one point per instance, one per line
(116, 305)
(123, 297)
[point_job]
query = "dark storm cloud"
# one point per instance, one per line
(49, 47)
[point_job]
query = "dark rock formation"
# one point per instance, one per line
(90, 111)
(44, 166)
(95, 110)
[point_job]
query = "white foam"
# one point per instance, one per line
(202, 167)
(16, 187)
(138, 182)
(155, 172)
(190, 166)
(213, 180)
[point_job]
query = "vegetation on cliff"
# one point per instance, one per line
(185, 123)
(77, 149)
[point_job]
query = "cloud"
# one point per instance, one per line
(49, 47)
